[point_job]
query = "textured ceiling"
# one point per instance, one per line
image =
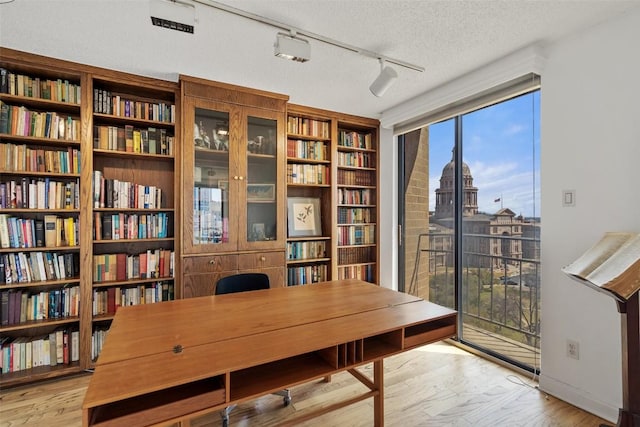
(448, 38)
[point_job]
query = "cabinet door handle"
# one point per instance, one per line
(236, 177)
(241, 178)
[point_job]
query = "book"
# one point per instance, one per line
(611, 266)
(50, 234)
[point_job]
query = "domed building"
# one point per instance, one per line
(490, 240)
(444, 194)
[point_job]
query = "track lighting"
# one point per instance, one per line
(289, 46)
(384, 80)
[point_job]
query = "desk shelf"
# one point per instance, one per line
(160, 406)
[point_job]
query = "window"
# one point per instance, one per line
(484, 216)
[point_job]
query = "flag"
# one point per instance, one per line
(496, 200)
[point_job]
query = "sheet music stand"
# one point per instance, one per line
(629, 414)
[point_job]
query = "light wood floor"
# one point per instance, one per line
(436, 385)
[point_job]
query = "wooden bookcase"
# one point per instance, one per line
(324, 164)
(133, 214)
(41, 136)
(53, 169)
(233, 194)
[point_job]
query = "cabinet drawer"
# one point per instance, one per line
(210, 264)
(260, 260)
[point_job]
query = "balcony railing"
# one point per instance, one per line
(500, 289)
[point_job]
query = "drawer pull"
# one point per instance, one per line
(212, 261)
(263, 258)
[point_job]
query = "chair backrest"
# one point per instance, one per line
(242, 282)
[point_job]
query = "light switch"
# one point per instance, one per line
(568, 198)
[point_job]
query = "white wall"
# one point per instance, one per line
(590, 142)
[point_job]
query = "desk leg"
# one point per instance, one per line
(378, 399)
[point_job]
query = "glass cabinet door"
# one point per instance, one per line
(263, 217)
(233, 172)
(211, 224)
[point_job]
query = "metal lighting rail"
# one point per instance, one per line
(297, 31)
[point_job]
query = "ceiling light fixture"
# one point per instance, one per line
(289, 46)
(384, 80)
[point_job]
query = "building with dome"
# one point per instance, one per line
(495, 240)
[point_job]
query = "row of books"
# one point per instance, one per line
(356, 215)
(35, 87)
(114, 193)
(355, 197)
(60, 347)
(130, 226)
(22, 158)
(107, 301)
(309, 127)
(41, 193)
(21, 121)
(307, 174)
(360, 272)
(356, 235)
(307, 274)
(130, 139)
(152, 264)
(97, 341)
(356, 255)
(356, 177)
(355, 140)
(106, 102)
(356, 159)
(312, 150)
(208, 224)
(306, 250)
(30, 267)
(51, 232)
(19, 306)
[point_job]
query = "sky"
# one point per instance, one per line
(501, 146)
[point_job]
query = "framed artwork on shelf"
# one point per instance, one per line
(303, 215)
(261, 192)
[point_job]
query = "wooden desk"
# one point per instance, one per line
(172, 361)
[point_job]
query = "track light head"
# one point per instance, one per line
(384, 80)
(292, 47)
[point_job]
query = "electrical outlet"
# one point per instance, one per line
(573, 349)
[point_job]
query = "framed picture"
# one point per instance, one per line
(303, 215)
(257, 232)
(261, 192)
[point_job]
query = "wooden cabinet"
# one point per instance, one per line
(332, 164)
(233, 180)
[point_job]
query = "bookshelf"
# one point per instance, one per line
(309, 178)
(40, 212)
(133, 198)
(345, 148)
(233, 183)
(357, 208)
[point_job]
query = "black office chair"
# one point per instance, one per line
(245, 282)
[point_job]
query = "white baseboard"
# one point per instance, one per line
(576, 397)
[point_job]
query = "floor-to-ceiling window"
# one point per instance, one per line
(470, 217)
